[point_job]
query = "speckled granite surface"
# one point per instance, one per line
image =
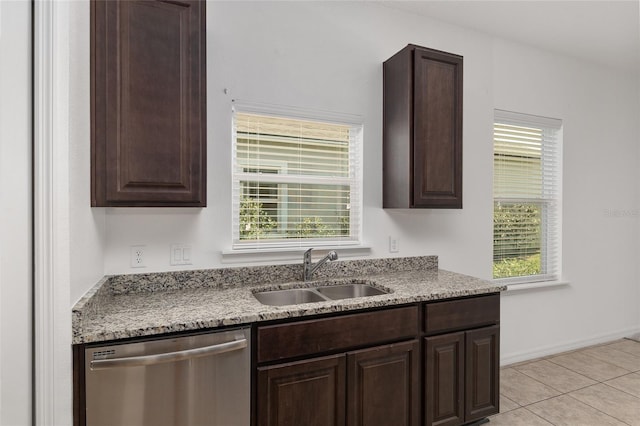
(137, 305)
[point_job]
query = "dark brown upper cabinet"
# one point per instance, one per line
(422, 129)
(148, 103)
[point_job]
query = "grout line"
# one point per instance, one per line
(540, 417)
(621, 352)
(506, 397)
(559, 390)
(629, 340)
(606, 414)
(592, 378)
(620, 390)
(542, 400)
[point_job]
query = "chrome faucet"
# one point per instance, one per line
(310, 268)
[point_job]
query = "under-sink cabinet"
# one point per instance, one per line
(363, 382)
(373, 386)
(433, 363)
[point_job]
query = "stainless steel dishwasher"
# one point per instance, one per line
(199, 380)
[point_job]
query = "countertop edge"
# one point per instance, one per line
(291, 311)
(152, 304)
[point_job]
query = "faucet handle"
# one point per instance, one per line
(307, 256)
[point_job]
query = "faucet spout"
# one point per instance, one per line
(310, 268)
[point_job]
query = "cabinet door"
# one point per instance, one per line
(437, 129)
(148, 104)
(444, 379)
(309, 393)
(383, 386)
(482, 375)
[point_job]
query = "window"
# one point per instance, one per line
(296, 178)
(526, 197)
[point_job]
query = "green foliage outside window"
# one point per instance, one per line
(517, 267)
(516, 240)
(311, 227)
(255, 223)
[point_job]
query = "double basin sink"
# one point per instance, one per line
(320, 291)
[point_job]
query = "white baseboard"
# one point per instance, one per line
(512, 358)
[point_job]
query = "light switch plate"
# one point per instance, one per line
(180, 254)
(394, 244)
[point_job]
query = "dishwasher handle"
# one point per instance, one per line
(136, 361)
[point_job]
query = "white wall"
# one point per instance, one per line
(15, 214)
(599, 108)
(87, 225)
(328, 55)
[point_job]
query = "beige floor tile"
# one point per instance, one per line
(611, 401)
(519, 417)
(589, 366)
(629, 384)
(626, 345)
(556, 376)
(522, 389)
(507, 405)
(615, 356)
(566, 411)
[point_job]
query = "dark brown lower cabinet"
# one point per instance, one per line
(383, 386)
(432, 364)
(310, 392)
(380, 386)
(444, 380)
(461, 376)
(482, 361)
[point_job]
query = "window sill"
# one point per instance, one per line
(288, 254)
(517, 288)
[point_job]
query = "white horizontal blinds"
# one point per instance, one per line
(526, 197)
(295, 180)
(306, 147)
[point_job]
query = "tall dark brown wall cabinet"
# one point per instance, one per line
(422, 129)
(148, 103)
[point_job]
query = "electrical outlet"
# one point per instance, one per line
(180, 254)
(137, 256)
(394, 245)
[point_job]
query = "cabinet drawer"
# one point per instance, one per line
(314, 337)
(461, 314)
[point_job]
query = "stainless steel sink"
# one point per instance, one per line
(348, 291)
(292, 296)
(318, 292)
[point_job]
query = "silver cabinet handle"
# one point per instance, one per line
(136, 361)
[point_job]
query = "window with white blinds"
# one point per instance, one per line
(296, 178)
(527, 197)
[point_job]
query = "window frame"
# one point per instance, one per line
(272, 165)
(354, 180)
(550, 202)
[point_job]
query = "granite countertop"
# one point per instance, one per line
(138, 305)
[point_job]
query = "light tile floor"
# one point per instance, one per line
(598, 385)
